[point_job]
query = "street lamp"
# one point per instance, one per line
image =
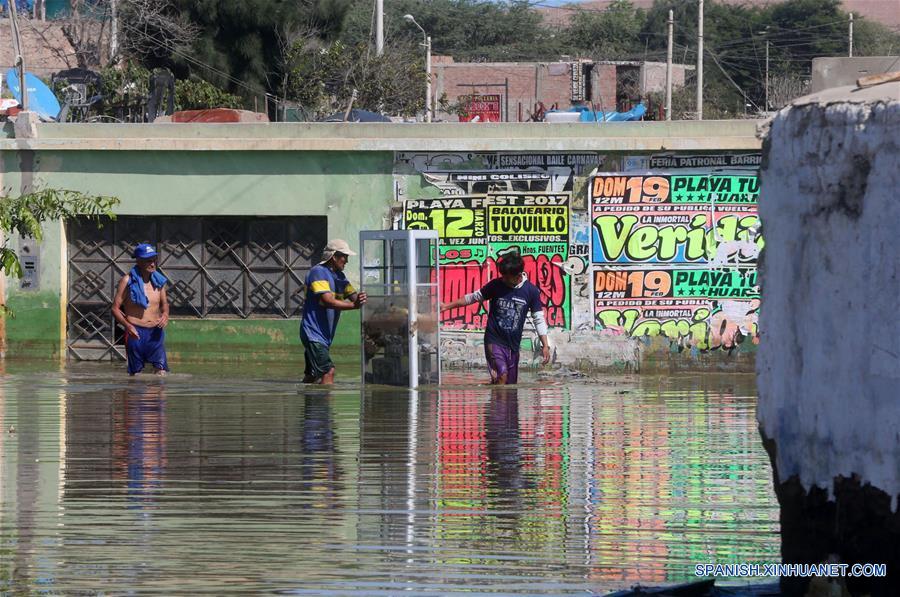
(427, 44)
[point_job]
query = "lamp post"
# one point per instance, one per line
(427, 45)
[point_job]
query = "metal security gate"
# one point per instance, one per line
(218, 268)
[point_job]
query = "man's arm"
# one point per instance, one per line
(465, 300)
(355, 297)
(117, 312)
(163, 308)
(329, 300)
(537, 313)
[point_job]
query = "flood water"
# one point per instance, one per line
(227, 481)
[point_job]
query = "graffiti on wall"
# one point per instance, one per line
(704, 308)
(675, 256)
(670, 218)
(478, 231)
(473, 173)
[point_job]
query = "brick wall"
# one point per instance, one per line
(604, 86)
(45, 46)
(528, 83)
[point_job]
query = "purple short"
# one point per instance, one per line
(502, 360)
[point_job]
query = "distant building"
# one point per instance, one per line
(517, 91)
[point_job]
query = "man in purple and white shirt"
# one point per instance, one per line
(511, 297)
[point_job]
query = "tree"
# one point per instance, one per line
(322, 77)
(240, 45)
(154, 30)
(86, 29)
(25, 215)
(611, 35)
(468, 30)
(874, 39)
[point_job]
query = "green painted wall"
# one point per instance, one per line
(33, 329)
(352, 189)
(256, 340)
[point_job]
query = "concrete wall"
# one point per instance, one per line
(348, 173)
(352, 189)
(653, 76)
(828, 367)
(840, 71)
(629, 304)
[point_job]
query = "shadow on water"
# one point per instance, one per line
(231, 482)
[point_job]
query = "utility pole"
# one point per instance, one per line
(379, 27)
(17, 49)
(850, 41)
(428, 75)
(427, 45)
(671, 28)
(767, 74)
(700, 62)
(113, 30)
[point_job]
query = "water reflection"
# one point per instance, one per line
(139, 441)
(221, 485)
(504, 453)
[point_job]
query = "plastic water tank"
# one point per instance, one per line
(562, 117)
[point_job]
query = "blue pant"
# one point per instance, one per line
(148, 347)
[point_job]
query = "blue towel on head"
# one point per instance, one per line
(136, 286)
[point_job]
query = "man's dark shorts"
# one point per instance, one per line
(502, 360)
(318, 361)
(148, 347)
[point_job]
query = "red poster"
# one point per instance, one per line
(485, 107)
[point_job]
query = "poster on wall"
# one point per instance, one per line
(481, 182)
(671, 161)
(422, 174)
(704, 308)
(674, 218)
(480, 108)
(674, 255)
(478, 231)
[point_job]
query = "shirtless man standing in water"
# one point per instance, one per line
(141, 307)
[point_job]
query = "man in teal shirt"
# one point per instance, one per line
(328, 292)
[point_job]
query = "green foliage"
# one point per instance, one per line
(874, 39)
(611, 35)
(197, 94)
(322, 78)
(243, 41)
(24, 216)
(127, 83)
(468, 30)
(118, 83)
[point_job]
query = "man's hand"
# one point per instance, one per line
(361, 298)
(130, 330)
(163, 321)
(546, 352)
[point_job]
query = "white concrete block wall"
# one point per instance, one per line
(829, 359)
